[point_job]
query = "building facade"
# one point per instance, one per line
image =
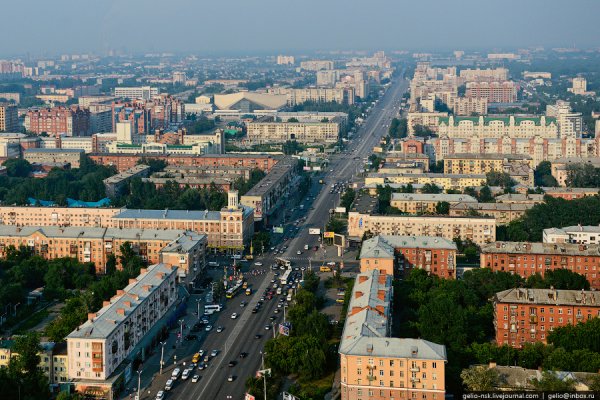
(417, 203)
(494, 92)
(71, 121)
(398, 255)
(9, 118)
(479, 230)
(530, 315)
(526, 259)
(302, 132)
(377, 366)
(445, 181)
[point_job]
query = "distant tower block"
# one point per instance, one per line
(233, 201)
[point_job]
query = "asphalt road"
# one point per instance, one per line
(239, 334)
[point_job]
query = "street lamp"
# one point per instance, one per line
(198, 303)
(139, 372)
(162, 355)
(264, 373)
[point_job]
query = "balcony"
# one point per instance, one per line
(415, 380)
(533, 319)
(415, 369)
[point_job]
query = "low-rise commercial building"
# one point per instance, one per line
(374, 364)
(112, 337)
(417, 203)
(398, 255)
(526, 259)
(530, 315)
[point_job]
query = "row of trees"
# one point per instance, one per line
(458, 313)
(398, 128)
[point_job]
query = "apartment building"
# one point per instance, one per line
(467, 106)
(398, 255)
(134, 93)
(316, 65)
(520, 198)
(302, 132)
(71, 121)
(484, 75)
(526, 259)
(429, 120)
(494, 92)
(115, 184)
(320, 95)
(96, 245)
(124, 162)
(377, 366)
(561, 166)
(498, 127)
(230, 229)
(581, 234)
(417, 203)
(134, 112)
(530, 315)
(579, 87)
(479, 230)
(539, 148)
(54, 156)
(445, 181)
(9, 118)
(520, 167)
(285, 60)
(114, 334)
(503, 212)
(271, 191)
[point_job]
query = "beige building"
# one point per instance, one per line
(229, 229)
(467, 106)
(445, 181)
(429, 120)
(580, 87)
(285, 60)
(303, 132)
(498, 127)
(316, 65)
(519, 167)
(504, 213)
(110, 336)
(320, 95)
(560, 167)
(375, 365)
(484, 75)
(417, 203)
(479, 230)
(9, 118)
(53, 156)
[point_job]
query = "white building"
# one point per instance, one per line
(139, 92)
(588, 234)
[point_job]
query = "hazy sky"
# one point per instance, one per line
(206, 26)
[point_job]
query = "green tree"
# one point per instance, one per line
(502, 179)
(348, 198)
(442, 208)
(543, 175)
(551, 382)
(480, 378)
(485, 195)
(17, 167)
(336, 225)
(431, 188)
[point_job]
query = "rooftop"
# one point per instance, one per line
(487, 156)
(169, 214)
(492, 206)
(450, 198)
(549, 296)
(54, 151)
(108, 318)
(131, 172)
(383, 246)
(278, 172)
(566, 249)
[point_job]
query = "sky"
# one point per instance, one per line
(50, 27)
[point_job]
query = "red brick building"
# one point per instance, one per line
(494, 92)
(529, 315)
(134, 112)
(526, 259)
(125, 161)
(72, 121)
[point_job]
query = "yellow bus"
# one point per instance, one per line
(325, 268)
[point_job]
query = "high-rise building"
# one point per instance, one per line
(135, 93)
(9, 118)
(285, 60)
(72, 121)
(580, 87)
(494, 92)
(179, 78)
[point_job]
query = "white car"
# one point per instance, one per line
(175, 373)
(234, 316)
(208, 328)
(219, 329)
(298, 252)
(186, 374)
(195, 378)
(160, 395)
(214, 353)
(258, 264)
(169, 384)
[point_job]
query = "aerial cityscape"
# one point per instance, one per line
(314, 201)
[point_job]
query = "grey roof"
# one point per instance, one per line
(430, 175)
(519, 197)
(450, 198)
(144, 234)
(53, 231)
(582, 228)
(549, 296)
(279, 171)
(383, 246)
(566, 249)
(521, 378)
(169, 214)
(493, 206)
(36, 150)
(131, 172)
(487, 156)
(108, 318)
(365, 332)
(184, 243)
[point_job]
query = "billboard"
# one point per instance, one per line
(284, 329)
(248, 396)
(278, 229)
(340, 209)
(314, 231)
(328, 235)
(338, 240)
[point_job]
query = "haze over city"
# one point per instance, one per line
(242, 26)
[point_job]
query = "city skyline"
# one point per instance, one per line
(132, 26)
